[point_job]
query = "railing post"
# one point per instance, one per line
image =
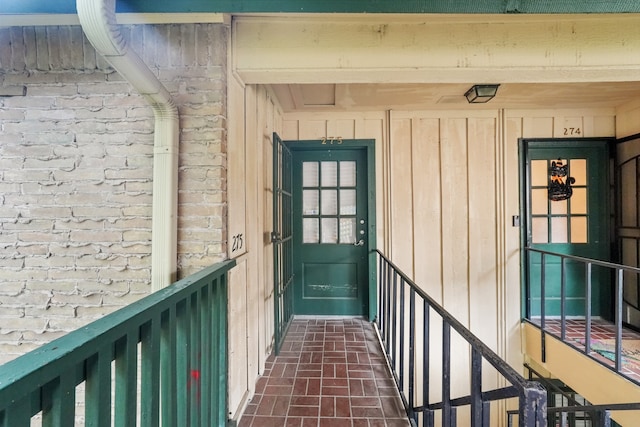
(387, 303)
(412, 340)
(428, 420)
(476, 389)
(381, 295)
(98, 388)
(587, 308)
(602, 419)
(446, 374)
(533, 406)
(542, 307)
(426, 357)
(563, 298)
(394, 319)
(402, 334)
(618, 314)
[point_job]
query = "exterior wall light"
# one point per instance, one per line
(479, 94)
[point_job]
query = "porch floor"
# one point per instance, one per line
(602, 341)
(330, 372)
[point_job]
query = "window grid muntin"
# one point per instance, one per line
(334, 184)
(549, 216)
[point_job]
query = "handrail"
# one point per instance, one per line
(168, 356)
(394, 320)
(618, 270)
(586, 260)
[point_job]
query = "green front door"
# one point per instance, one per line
(330, 228)
(567, 210)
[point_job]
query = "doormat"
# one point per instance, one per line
(607, 348)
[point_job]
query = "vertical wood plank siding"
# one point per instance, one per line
(447, 186)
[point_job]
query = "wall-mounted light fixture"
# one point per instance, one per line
(479, 94)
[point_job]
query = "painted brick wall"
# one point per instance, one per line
(76, 173)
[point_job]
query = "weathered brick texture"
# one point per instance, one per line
(76, 173)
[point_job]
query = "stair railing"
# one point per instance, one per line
(159, 361)
(538, 312)
(406, 318)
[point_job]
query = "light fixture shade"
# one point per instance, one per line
(479, 94)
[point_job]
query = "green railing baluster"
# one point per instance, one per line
(205, 340)
(215, 349)
(126, 354)
(221, 348)
(58, 401)
(182, 361)
(194, 370)
(150, 373)
(168, 373)
(18, 414)
(98, 389)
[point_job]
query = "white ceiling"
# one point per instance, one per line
(367, 97)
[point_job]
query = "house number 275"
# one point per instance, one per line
(331, 140)
(237, 243)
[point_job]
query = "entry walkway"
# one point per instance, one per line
(330, 372)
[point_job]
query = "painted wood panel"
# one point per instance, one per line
(427, 215)
(628, 119)
(255, 294)
(483, 233)
(509, 287)
(236, 180)
(579, 123)
(237, 330)
(627, 162)
(377, 49)
(455, 213)
(401, 194)
(251, 281)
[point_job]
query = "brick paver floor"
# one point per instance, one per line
(330, 372)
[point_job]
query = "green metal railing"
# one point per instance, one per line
(159, 361)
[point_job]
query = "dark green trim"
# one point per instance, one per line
(370, 146)
(282, 240)
(524, 202)
(334, 6)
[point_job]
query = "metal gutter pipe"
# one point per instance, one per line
(98, 21)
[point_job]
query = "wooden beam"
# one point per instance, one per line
(437, 49)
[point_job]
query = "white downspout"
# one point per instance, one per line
(98, 21)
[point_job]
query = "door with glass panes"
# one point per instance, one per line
(330, 231)
(567, 211)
